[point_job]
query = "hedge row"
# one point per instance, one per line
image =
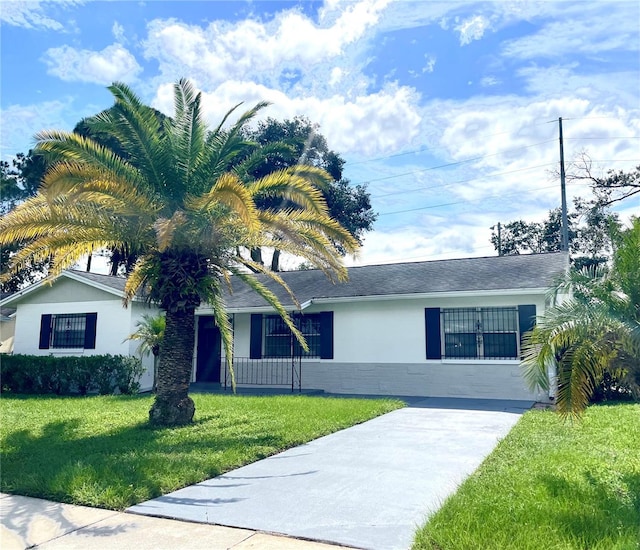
(103, 374)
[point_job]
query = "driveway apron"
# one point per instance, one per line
(369, 486)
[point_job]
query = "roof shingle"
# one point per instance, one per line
(532, 271)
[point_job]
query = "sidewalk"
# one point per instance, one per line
(31, 522)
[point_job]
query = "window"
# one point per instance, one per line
(280, 342)
(480, 333)
(271, 337)
(477, 332)
(68, 331)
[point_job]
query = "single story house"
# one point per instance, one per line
(79, 314)
(438, 328)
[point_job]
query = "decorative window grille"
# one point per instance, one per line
(279, 341)
(480, 333)
(68, 330)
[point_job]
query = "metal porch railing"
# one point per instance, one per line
(272, 371)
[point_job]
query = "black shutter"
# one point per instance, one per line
(45, 331)
(432, 332)
(526, 318)
(255, 345)
(90, 330)
(326, 335)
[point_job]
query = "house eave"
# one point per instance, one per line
(17, 296)
(383, 297)
(94, 284)
(432, 295)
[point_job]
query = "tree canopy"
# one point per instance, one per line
(591, 228)
(592, 330)
(609, 186)
(297, 140)
(177, 195)
(19, 181)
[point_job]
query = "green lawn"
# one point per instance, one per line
(550, 484)
(98, 451)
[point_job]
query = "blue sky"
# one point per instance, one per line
(446, 110)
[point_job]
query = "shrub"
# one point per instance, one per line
(37, 374)
(614, 387)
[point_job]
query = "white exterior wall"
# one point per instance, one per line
(113, 325)
(137, 311)
(380, 349)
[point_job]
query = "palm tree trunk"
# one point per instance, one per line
(275, 260)
(173, 406)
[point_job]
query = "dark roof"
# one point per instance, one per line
(495, 273)
(114, 283)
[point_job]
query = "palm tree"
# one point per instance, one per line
(596, 330)
(174, 196)
(150, 332)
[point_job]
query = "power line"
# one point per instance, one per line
(468, 201)
(485, 136)
(601, 137)
(463, 181)
(427, 256)
(420, 170)
(493, 174)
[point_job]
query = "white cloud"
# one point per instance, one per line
(262, 51)
(567, 80)
(489, 81)
(574, 31)
(118, 32)
(430, 237)
(472, 29)
(19, 123)
(31, 14)
(336, 76)
(369, 124)
(112, 63)
(430, 63)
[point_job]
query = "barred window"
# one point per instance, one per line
(68, 331)
(480, 333)
(280, 342)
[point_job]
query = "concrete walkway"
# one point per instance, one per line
(31, 522)
(369, 486)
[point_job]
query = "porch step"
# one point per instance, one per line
(202, 387)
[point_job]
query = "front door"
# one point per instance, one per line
(209, 348)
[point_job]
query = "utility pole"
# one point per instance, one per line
(499, 237)
(565, 224)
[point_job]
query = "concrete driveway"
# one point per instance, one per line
(369, 486)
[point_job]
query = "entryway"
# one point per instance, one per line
(209, 351)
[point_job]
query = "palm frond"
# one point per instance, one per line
(261, 289)
(137, 278)
(296, 186)
(74, 148)
(225, 146)
(228, 191)
(76, 182)
(188, 132)
(140, 132)
(166, 228)
(226, 332)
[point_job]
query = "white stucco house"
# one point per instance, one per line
(441, 328)
(79, 314)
